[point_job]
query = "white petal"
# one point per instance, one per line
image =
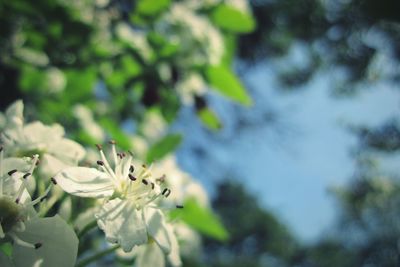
(14, 113)
(49, 165)
(122, 169)
(66, 150)
(41, 135)
(122, 224)
(173, 257)
(59, 243)
(19, 164)
(156, 228)
(85, 182)
(150, 255)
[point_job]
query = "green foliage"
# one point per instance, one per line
(209, 119)
(201, 219)
(225, 82)
(151, 7)
(6, 248)
(116, 133)
(232, 19)
(164, 146)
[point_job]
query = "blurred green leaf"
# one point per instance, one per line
(202, 219)
(151, 7)
(225, 81)
(164, 146)
(232, 19)
(115, 131)
(209, 119)
(6, 248)
(80, 83)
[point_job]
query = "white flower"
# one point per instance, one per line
(199, 41)
(182, 185)
(22, 139)
(86, 121)
(191, 85)
(130, 215)
(151, 254)
(48, 241)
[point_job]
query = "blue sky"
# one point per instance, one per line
(294, 147)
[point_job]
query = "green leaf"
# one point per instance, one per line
(232, 19)
(151, 7)
(209, 119)
(202, 219)
(116, 133)
(164, 146)
(6, 248)
(225, 81)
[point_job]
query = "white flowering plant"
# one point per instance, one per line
(139, 210)
(99, 70)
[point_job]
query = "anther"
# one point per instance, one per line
(99, 162)
(166, 192)
(99, 147)
(12, 172)
(26, 175)
(144, 166)
(131, 168)
(43, 199)
(152, 185)
(144, 181)
(37, 162)
(112, 142)
(38, 245)
(53, 180)
(179, 206)
(133, 178)
(1, 148)
(161, 179)
(17, 201)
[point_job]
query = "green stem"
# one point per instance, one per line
(87, 228)
(97, 256)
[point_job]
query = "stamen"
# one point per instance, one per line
(12, 172)
(133, 178)
(40, 198)
(145, 182)
(161, 179)
(112, 142)
(99, 147)
(53, 180)
(114, 152)
(131, 168)
(26, 175)
(152, 185)
(99, 162)
(23, 243)
(179, 206)
(164, 191)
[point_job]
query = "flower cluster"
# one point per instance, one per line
(131, 214)
(132, 200)
(43, 241)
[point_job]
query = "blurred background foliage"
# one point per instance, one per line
(125, 59)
